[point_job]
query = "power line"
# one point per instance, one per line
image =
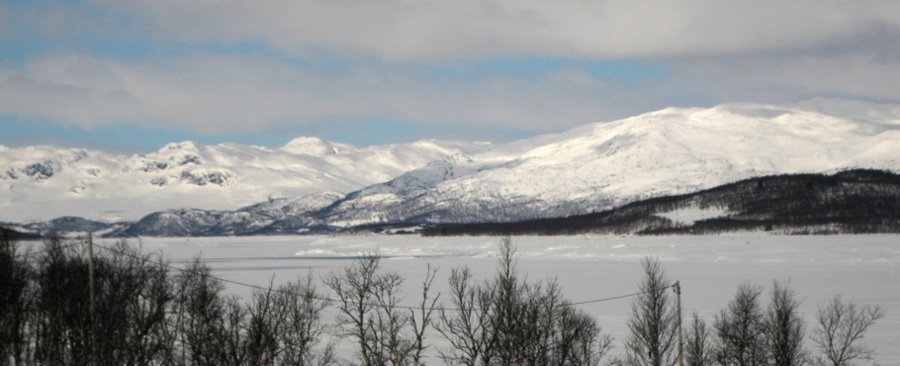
(183, 270)
(611, 298)
(332, 300)
(45, 250)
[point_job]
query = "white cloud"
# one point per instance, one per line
(234, 94)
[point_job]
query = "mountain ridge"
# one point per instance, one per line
(672, 151)
(590, 168)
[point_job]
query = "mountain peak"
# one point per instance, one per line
(184, 145)
(312, 146)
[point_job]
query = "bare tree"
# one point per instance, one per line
(508, 321)
(466, 326)
(265, 323)
(740, 329)
(149, 312)
(840, 328)
(653, 327)
(389, 321)
(233, 334)
(16, 300)
(201, 317)
(507, 308)
(577, 339)
(784, 328)
(354, 287)
(421, 317)
(370, 312)
(131, 298)
(63, 326)
(132, 294)
(698, 347)
(303, 327)
(146, 317)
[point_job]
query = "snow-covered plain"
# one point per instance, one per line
(864, 269)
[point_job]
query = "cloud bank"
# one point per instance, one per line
(435, 30)
(452, 68)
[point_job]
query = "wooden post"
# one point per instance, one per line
(91, 289)
(678, 311)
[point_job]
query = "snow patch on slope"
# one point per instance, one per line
(690, 215)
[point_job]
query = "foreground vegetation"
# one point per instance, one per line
(148, 312)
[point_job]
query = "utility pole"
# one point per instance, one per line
(91, 289)
(678, 311)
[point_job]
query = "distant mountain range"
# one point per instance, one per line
(42, 182)
(314, 186)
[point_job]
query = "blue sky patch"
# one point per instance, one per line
(119, 138)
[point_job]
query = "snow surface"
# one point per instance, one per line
(690, 215)
(862, 268)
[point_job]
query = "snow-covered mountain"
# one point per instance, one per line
(590, 168)
(44, 182)
(602, 165)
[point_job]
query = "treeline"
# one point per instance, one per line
(148, 312)
(853, 201)
(746, 332)
(145, 311)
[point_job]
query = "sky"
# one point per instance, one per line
(130, 76)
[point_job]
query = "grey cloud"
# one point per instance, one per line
(717, 51)
(427, 30)
(234, 94)
(778, 78)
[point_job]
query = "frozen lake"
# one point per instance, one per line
(864, 269)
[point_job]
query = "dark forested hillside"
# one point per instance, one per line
(65, 225)
(853, 201)
(10, 234)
